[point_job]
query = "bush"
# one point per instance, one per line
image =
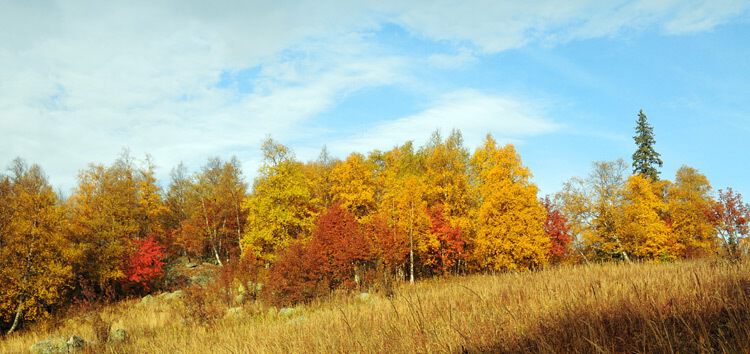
(202, 306)
(101, 327)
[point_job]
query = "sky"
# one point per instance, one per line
(183, 81)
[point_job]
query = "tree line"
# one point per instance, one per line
(304, 229)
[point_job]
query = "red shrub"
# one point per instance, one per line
(145, 264)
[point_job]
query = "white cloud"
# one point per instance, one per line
(81, 80)
(476, 114)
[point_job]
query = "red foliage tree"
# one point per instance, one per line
(295, 277)
(335, 257)
(388, 244)
(451, 244)
(556, 228)
(145, 264)
(339, 240)
(732, 219)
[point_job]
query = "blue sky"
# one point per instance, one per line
(185, 81)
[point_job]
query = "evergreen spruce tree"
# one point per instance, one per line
(645, 158)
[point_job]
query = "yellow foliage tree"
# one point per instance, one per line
(401, 201)
(34, 253)
(318, 173)
(279, 210)
(446, 173)
(643, 232)
(593, 207)
(353, 186)
(153, 209)
(689, 200)
(510, 233)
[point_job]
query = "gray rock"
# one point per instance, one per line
(201, 279)
(239, 299)
(58, 345)
(364, 297)
(147, 300)
(298, 320)
(177, 294)
(233, 312)
(190, 265)
(118, 335)
(287, 311)
(75, 343)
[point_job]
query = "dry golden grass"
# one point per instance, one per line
(680, 307)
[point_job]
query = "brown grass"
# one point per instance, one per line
(681, 307)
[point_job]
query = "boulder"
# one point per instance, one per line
(239, 299)
(75, 343)
(118, 335)
(298, 320)
(57, 345)
(147, 300)
(287, 311)
(233, 312)
(177, 294)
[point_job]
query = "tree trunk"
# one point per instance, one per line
(16, 320)
(411, 245)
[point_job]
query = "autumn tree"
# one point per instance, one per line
(510, 218)
(450, 243)
(104, 217)
(446, 170)
(557, 230)
(279, 209)
(689, 204)
(181, 207)
(353, 186)
(318, 173)
(151, 203)
(388, 243)
(295, 276)
(339, 241)
(645, 158)
(594, 209)
(34, 253)
(643, 232)
(217, 194)
(401, 201)
(732, 218)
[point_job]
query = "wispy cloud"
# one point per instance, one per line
(81, 80)
(475, 113)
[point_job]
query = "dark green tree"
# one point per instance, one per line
(645, 158)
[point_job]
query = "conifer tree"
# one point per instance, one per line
(645, 158)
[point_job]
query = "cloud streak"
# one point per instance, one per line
(474, 113)
(81, 80)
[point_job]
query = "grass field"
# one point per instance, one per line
(686, 307)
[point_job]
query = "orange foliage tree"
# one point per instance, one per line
(732, 218)
(339, 241)
(450, 248)
(34, 253)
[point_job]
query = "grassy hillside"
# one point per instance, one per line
(679, 307)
